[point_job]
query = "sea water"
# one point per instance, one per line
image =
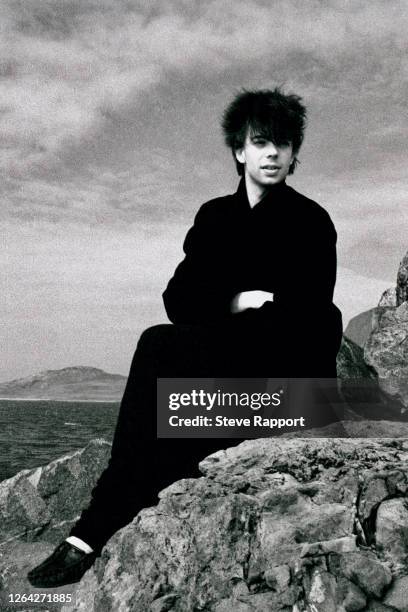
(34, 432)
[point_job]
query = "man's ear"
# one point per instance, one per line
(240, 155)
(294, 162)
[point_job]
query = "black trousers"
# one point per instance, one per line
(141, 465)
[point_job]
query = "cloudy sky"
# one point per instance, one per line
(110, 141)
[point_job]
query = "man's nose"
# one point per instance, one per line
(272, 150)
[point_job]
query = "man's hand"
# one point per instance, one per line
(250, 299)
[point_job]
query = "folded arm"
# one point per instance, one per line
(202, 289)
(199, 291)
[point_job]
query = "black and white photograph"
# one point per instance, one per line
(203, 383)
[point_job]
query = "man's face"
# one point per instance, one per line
(266, 164)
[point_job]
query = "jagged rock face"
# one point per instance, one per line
(47, 499)
(37, 510)
(275, 524)
(360, 388)
(360, 327)
(388, 298)
(386, 351)
(395, 296)
(383, 334)
(402, 281)
(350, 362)
(351, 370)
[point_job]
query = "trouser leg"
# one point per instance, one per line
(140, 464)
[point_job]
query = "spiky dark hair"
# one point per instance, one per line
(278, 117)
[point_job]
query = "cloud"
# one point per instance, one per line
(143, 196)
(67, 67)
(109, 143)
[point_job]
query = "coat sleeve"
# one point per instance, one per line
(198, 291)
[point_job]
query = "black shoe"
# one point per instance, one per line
(66, 565)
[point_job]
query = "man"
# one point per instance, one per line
(252, 297)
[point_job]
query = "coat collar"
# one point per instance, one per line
(271, 197)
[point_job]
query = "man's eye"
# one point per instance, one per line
(259, 141)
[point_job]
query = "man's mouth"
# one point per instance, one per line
(270, 167)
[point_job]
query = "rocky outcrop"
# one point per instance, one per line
(37, 510)
(274, 524)
(402, 281)
(47, 499)
(350, 362)
(360, 327)
(382, 334)
(388, 298)
(386, 351)
(395, 296)
(355, 426)
(359, 386)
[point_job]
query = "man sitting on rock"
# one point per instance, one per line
(252, 298)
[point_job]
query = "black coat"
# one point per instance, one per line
(286, 245)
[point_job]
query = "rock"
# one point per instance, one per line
(392, 532)
(377, 606)
(382, 335)
(389, 298)
(46, 500)
(226, 605)
(37, 509)
(278, 578)
(358, 381)
(402, 281)
(320, 590)
(352, 596)
(259, 602)
(366, 397)
(375, 491)
(395, 296)
(361, 428)
(339, 545)
(350, 362)
(271, 525)
(397, 596)
(360, 327)
(163, 604)
(375, 347)
(386, 351)
(363, 569)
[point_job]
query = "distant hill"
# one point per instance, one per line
(73, 383)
